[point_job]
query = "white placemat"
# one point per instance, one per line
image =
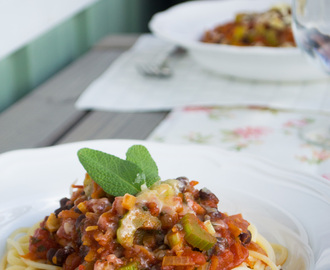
(272, 134)
(122, 88)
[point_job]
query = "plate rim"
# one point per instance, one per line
(212, 150)
(157, 21)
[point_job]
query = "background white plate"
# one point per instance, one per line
(184, 25)
(32, 182)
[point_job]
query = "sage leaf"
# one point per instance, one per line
(114, 175)
(139, 155)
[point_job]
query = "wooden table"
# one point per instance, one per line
(47, 115)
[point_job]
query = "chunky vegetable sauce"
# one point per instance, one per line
(271, 28)
(171, 225)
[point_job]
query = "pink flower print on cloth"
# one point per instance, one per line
(243, 137)
(198, 137)
(298, 123)
(326, 176)
(251, 132)
(295, 125)
(316, 156)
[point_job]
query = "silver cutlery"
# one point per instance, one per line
(160, 67)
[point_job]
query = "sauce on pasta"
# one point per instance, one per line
(171, 225)
(271, 28)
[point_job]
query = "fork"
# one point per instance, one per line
(155, 69)
(160, 68)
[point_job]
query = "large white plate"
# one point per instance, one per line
(184, 25)
(32, 182)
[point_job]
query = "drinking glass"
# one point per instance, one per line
(311, 28)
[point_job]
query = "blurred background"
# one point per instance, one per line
(29, 56)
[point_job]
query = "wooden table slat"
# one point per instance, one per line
(47, 115)
(42, 116)
(119, 41)
(111, 125)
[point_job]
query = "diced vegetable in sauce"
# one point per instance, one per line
(271, 28)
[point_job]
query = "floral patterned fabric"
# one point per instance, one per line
(280, 136)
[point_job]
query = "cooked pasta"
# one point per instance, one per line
(274, 255)
(166, 225)
(18, 245)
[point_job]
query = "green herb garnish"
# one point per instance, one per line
(140, 156)
(117, 176)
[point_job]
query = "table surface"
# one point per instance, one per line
(47, 115)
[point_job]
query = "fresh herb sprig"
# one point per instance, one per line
(118, 176)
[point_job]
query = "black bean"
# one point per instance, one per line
(159, 237)
(77, 210)
(220, 246)
(50, 254)
(79, 240)
(83, 250)
(61, 255)
(79, 220)
(184, 181)
(69, 205)
(215, 215)
(245, 238)
(57, 211)
(208, 196)
(68, 250)
(63, 202)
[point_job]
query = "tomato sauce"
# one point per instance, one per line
(93, 230)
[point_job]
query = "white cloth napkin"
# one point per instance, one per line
(123, 88)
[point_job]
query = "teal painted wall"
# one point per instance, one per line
(31, 65)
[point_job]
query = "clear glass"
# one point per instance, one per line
(311, 28)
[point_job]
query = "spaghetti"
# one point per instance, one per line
(17, 246)
(260, 253)
(167, 225)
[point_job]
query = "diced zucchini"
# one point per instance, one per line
(271, 37)
(174, 238)
(239, 32)
(133, 220)
(195, 235)
(130, 266)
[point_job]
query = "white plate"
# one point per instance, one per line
(32, 182)
(184, 25)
